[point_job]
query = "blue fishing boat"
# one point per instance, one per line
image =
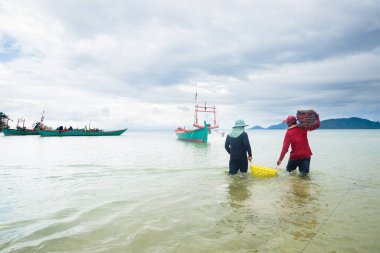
(195, 135)
(21, 131)
(200, 132)
(79, 132)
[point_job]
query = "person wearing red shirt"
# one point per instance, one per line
(296, 137)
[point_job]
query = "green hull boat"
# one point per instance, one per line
(196, 135)
(12, 132)
(55, 133)
(201, 132)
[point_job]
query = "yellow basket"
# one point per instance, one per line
(259, 171)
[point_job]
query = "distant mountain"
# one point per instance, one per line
(349, 123)
(342, 123)
(278, 127)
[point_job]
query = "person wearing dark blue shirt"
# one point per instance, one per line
(237, 145)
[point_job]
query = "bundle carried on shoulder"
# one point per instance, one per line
(306, 118)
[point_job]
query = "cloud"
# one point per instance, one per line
(140, 62)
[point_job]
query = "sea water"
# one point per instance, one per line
(149, 192)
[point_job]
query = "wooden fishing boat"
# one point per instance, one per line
(45, 131)
(201, 132)
(79, 132)
(20, 131)
(195, 135)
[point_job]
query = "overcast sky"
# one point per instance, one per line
(135, 64)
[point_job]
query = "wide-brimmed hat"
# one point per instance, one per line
(290, 118)
(240, 123)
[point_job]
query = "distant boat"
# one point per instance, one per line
(79, 132)
(201, 132)
(21, 131)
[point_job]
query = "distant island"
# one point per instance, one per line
(342, 123)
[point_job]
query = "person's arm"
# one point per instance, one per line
(247, 146)
(316, 124)
(285, 148)
(227, 144)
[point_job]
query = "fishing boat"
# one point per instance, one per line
(20, 131)
(80, 132)
(45, 131)
(195, 135)
(201, 132)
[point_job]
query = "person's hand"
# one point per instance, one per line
(278, 162)
(250, 158)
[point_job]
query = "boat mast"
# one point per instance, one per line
(196, 105)
(42, 120)
(205, 109)
(214, 115)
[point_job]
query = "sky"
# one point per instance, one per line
(137, 64)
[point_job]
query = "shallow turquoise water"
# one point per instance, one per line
(148, 192)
